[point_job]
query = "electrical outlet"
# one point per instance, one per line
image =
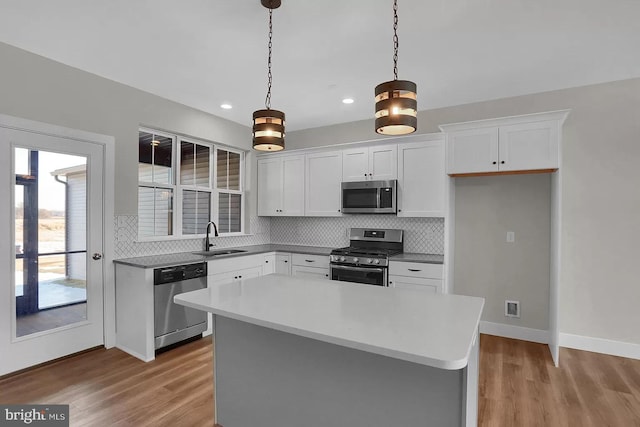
(512, 308)
(511, 237)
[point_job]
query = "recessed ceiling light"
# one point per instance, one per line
(347, 101)
(226, 106)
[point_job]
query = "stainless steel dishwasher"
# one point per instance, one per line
(173, 322)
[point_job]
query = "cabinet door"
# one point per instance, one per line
(323, 184)
(529, 146)
(355, 164)
(383, 162)
(248, 273)
(313, 272)
(472, 151)
(292, 186)
(269, 187)
(269, 264)
(421, 179)
(427, 285)
(221, 278)
(283, 264)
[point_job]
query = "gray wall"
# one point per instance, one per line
(36, 88)
(600, 237)
(485, 264)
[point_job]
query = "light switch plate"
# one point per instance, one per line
(511, 237)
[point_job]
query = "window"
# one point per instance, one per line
(229, 186)
(180, 175)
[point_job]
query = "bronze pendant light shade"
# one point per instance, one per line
(396, 100)
(268, 130)
(268, 124)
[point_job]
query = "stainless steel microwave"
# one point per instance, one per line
(369, 197)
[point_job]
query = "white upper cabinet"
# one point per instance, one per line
(281, 186)
(370, 163)
(520, 143)
(323, 181)
(422, 179)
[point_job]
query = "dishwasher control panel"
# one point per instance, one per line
(178, 273)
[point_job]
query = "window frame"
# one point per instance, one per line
(178, 188)
(229, 191)
(154, 185)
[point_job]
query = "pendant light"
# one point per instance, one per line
(396, 100)
(268, 124)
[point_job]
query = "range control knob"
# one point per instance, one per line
(369, 261)
(356, 260)
(343, 259)
(377, 261)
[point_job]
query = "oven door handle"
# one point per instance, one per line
(346, 267)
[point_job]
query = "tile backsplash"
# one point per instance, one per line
(422, 235)
(127, 246)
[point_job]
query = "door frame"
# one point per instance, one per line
(108, 145)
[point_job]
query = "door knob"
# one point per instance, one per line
(97, 256)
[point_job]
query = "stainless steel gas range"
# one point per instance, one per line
(366, 259)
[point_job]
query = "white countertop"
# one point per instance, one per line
(413, 325)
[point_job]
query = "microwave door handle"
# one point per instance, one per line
(344, 267)
(378, 198)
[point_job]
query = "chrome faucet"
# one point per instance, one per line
(207, 244)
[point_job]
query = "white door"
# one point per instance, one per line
(293, 186)
(421, 179)
(355, 164)
(269, 187)
(472, 151)
(383, 162)
(323, 184)
(52, 298)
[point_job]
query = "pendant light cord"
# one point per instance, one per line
(395, 39)
(267, 101)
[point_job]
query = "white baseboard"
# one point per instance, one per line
(600, 345)
(516, 332)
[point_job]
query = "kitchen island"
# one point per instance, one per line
(303, 352)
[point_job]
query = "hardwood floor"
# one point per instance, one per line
(519, 386)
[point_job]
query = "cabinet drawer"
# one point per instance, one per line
(421, 284)
(310, 260)
(416, 269)
(223, 265)
(312, 272)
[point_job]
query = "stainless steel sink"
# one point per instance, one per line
(220, 252)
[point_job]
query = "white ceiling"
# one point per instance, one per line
(204, 53)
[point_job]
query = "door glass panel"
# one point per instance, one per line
(50, 240)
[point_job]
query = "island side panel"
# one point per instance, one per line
(269, 378)
(470, 384)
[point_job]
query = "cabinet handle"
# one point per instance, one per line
(338, 210)
(399, 210)
(495, 163)
(365, 174)
(414, 270)
(286, 261)
(235, 277)
(267, 261)
(326, 275)
(240, 277)
(309, 260)
(502, 162)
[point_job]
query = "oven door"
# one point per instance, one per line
(368, 275)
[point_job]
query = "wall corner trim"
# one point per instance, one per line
(600, 345)
(515, 332)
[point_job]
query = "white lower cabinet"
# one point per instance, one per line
(415, 275)
(277, 263)
(283, 264)
(315, 266)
